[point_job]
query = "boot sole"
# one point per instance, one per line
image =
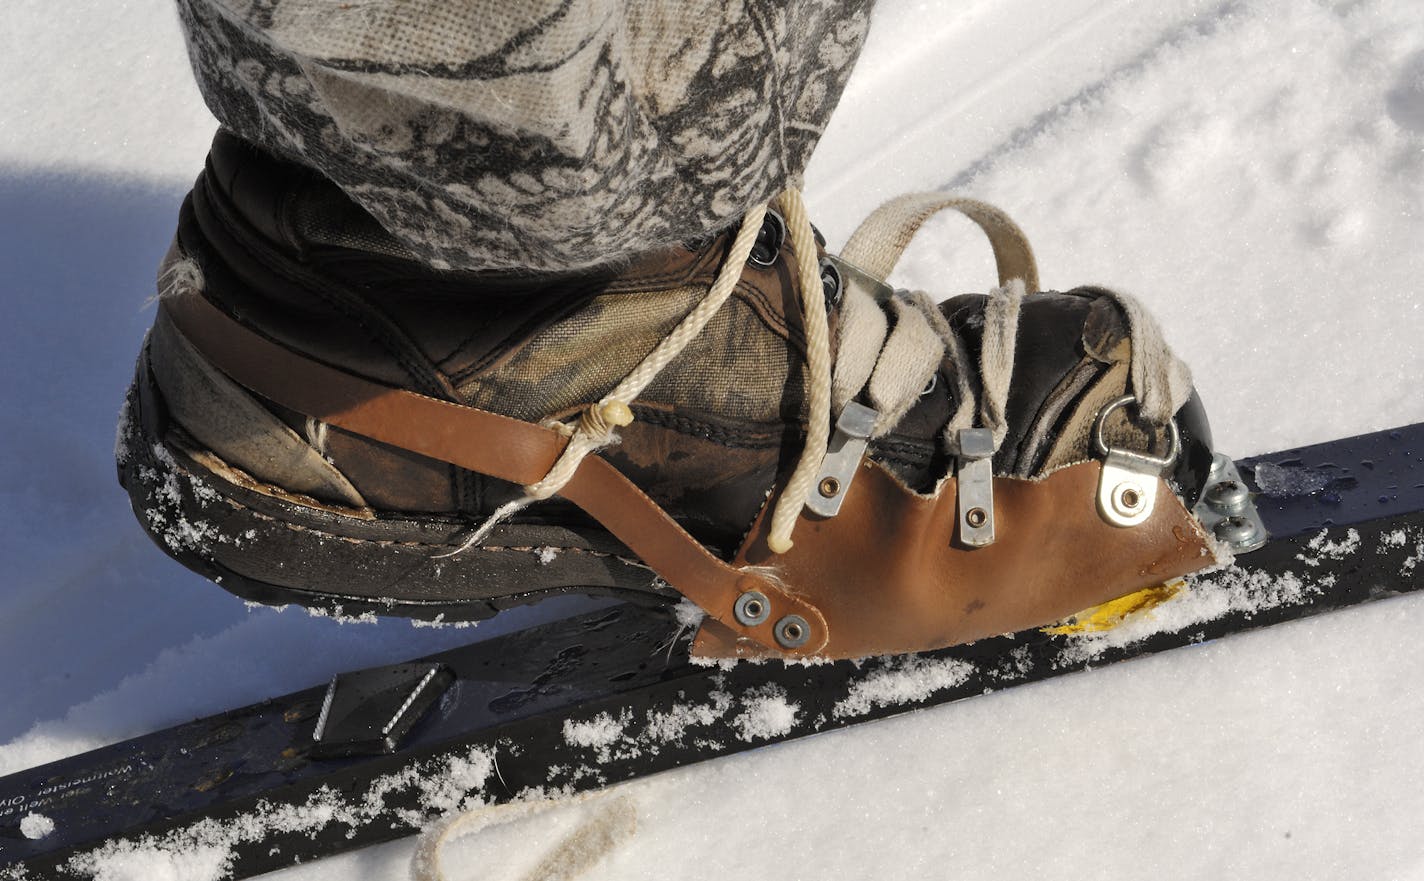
(268, 549)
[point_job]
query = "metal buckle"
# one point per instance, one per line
(975, 477)
(843, 456)
(1127, 488)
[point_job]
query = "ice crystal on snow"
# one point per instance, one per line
(1324, 549)
(204, 851)
(688, 614)
(600, 733)
(122, 453)
(1231, 589)
(36, 826)
(1400, 538)
(670, 726)
(340, 617)
(768, 714)
(902, 682)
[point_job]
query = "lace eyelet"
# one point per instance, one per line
(769, 240)
(700, 243)
(831, 284)
(931, 385)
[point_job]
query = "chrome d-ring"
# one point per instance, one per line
(1174, 437)
(1127, 484)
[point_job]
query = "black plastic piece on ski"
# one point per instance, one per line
(1347, 526)
(370, 712)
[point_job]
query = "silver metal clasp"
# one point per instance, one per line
(1127, 488)
(843, 456)
(975, 476)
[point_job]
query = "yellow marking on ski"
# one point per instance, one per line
(1108, 615)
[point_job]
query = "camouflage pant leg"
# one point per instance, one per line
(534, 134)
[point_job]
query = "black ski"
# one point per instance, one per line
(610, 696)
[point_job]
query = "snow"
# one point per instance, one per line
(769, 713)
(1253, 170)
(904, 682)
(599, 733)
(35, 826)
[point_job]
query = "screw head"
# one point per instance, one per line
(976, 517)
(1228, 496)
(1235, 530)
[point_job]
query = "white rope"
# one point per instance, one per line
(597, 424)
(892, 364)
(613, 822)
(818, 375)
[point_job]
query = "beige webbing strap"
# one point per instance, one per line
(490, 444)
(882, 237)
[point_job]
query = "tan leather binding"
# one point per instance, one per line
(491, 444)
(885, 576)
(889, 578)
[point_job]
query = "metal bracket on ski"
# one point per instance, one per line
(843, 456)
(1227, 511)
(975, 477)
(370, 712)
(1127, 489)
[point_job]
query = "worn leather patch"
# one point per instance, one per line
(889, 577)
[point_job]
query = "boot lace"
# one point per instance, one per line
(892, 366)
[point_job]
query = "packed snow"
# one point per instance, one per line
(35, 826)
(1253, 170)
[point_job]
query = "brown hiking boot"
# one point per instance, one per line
(319, 418)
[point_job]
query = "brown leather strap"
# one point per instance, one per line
(888, 577)
(491, 444)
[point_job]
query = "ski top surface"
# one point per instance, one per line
(612, 695)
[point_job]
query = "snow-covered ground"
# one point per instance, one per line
(1253, 170)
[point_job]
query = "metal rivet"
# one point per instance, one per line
(830, 487)
(1127, 498)
(751, 608)
(976, 517)
(792, 631)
